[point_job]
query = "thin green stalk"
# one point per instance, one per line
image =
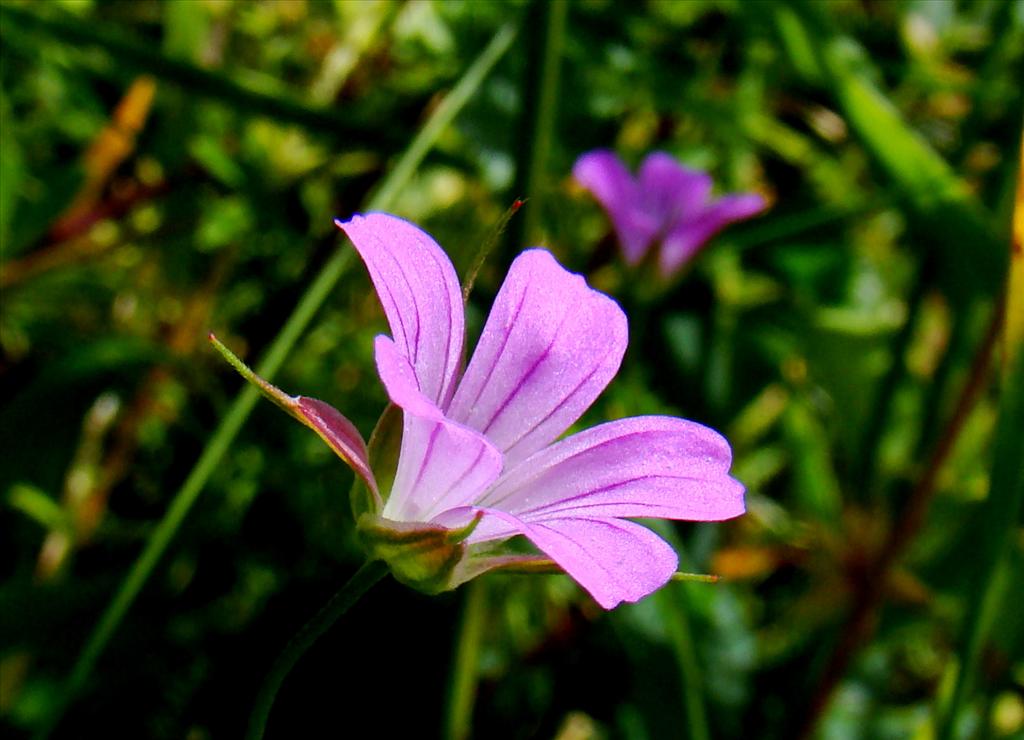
(139, 57)
(672, 599)
(465, 677)
(441, 118)
(243, 404)
(674, 604)
(539, 112)
(310, 632)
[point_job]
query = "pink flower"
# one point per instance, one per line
(479, 462)
(665, 203)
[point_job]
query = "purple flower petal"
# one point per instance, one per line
(442, 464)
(689, 235)
(653, 466)
(420, 293)
(614, 560)
(549, 347)
(400, 380)
(670, 191)
(606, 177)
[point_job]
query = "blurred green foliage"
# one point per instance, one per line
(167, 168)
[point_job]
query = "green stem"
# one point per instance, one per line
(310, 632)
(462, 694)
(673, 600)
(245, 401)
(673, 603)
(539, 112)
(441, 118)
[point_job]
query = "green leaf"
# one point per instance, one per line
(946, 211)
(11, 173)
(38, 506)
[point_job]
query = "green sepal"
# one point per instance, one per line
(272, 393)
(425, 557)
(340, 434)
(382, 450)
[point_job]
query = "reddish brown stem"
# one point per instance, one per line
(870, 587)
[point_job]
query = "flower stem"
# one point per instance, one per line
(462, 694)
(673, 601)
(310, 632)
(539, 112)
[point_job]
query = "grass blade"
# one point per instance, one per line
(465, 676)
(539, 114)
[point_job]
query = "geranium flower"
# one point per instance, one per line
(666, 203)
(479, 462)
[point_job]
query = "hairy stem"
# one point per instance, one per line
(464, 680)
(311, 631)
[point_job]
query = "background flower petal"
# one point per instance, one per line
(652, 466)
(550, 346)
(420, 293)
(606, 177)
(688, 236)
(671, 191)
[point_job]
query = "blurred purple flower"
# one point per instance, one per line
(665, 203)
(479, 463)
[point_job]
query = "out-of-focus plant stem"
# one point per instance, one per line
(244, 402)
(465, 677)
(870, 588)
(673, 599)
(673, 604)
(540, 107)
(1001, 509)
(311, 631)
